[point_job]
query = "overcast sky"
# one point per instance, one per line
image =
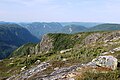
(60, 10)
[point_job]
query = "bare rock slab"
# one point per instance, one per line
(106, 61)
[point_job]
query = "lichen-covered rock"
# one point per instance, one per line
(106, 61)
(38, 62)
(92, 38)
(23, 68)
(25, 75)
(113, 36)
(46, 44)
(116, 49)
(61, 74)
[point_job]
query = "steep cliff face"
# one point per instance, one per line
(46, 44)
(49, 42)
(58, 42)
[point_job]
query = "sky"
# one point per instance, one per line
(60, 10)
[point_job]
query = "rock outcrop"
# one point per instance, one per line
(29, 73)
(64, 51)
(67, 73)
(106, 61)
(113, 35)
(92, 38)
(106, 37)
(46, 44)
(60, 74)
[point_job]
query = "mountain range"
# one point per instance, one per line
(12, 36)
(38, 29)
(85, 24)
(105, 27)
(71, 29)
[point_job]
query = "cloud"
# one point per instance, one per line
(64, 10)
(26, 2)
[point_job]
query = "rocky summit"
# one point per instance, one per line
(81, 56)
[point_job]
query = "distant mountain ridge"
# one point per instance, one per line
(73, 29)
(85, 24)
(12, 36)
(38, 29)
(105, 27)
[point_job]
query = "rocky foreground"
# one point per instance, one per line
(94, 55)
(68, 73)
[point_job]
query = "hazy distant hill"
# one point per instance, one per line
(13, 36)
(85, 24)
(105, 27)
(38, 29)
(73, 29)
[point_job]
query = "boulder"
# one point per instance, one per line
(64, 51)
(117, 49)
(38, 62)
(113, 36)
(64, 59)
(106, 61)
(105, 53)
(23, 68)
(92, 38)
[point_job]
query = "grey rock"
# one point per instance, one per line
(38, 62)
(92, 38)
(60, 73)
(116, 49)
(28, 73)
(112, 36)
(105, 53)
(106, 61)
(46, 44)
(64, 51)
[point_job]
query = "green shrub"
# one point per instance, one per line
(113, 75)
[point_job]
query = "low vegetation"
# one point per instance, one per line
(80, 53)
